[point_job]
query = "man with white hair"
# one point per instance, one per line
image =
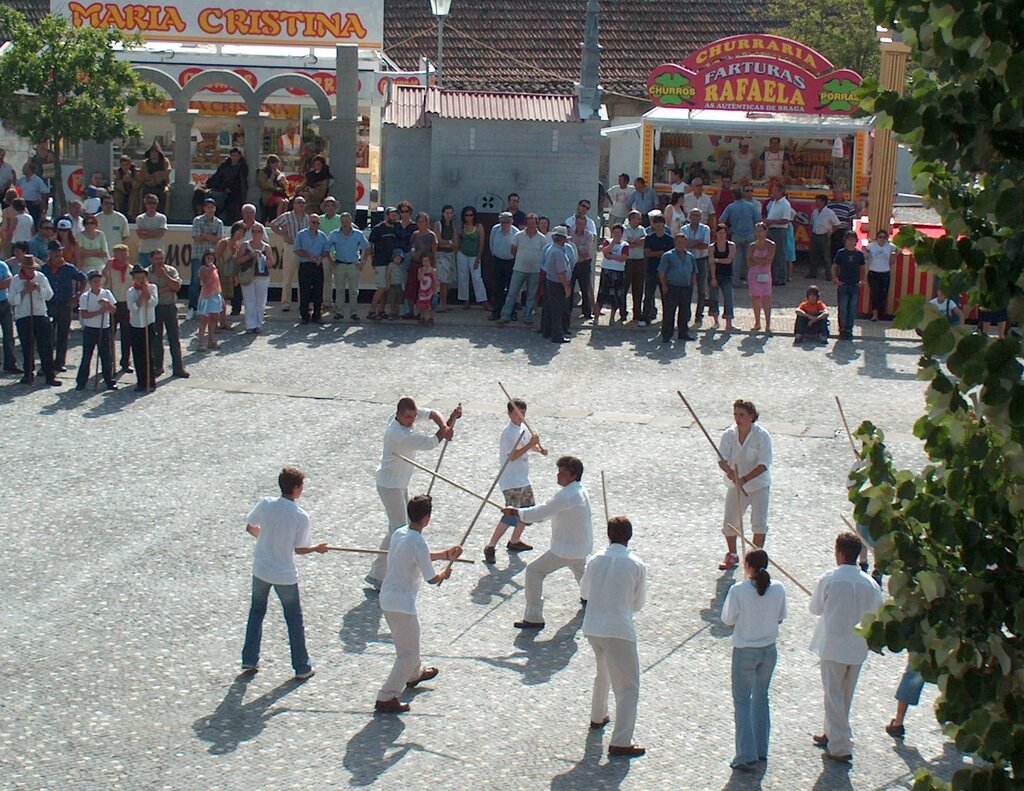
(697, 198)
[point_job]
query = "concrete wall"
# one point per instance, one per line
(477, 163)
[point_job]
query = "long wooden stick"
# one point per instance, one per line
(710, 441)
(362, 551)
(440, 458)
(429, 471)
(739, 513)
(484, 502)
(779, 568)
(522, 416)
(849, 434)
(604, 494)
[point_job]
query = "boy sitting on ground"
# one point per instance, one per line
(811, 317)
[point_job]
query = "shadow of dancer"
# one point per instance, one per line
(835, 776)
(492, 585)
(712, 614)
(589, 772)
(360, 626)
(746, 781)
(542, 658)
(366, 755)
(235, 722)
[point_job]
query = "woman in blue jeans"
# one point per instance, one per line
(722, 254)
(754, 608)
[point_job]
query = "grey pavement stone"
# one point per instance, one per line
(125, 569)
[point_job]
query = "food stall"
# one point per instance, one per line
(787, 103)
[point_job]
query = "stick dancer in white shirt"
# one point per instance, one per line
(409, 562)
(572, 537)
(96, 306)
(614, 586)
(393, 474)
(746, 453)
(516, 441)
(842, 598)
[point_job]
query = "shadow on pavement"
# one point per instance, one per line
(366, 755)
(835, 776)
(492, 585)
(235, 722)
(712, 614)
(746, 781)
(360, 626)
(542, 658)
(589, 772)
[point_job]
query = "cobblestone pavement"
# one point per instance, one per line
(125, 566)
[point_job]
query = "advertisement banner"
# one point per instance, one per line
(244, 22)
(755, 73)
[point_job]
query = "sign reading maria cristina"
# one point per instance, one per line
(755, 73)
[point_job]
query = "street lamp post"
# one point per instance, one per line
(440, 9)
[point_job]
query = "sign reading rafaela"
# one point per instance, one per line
(242, 22)
(755, 73)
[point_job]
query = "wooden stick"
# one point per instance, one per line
(522, 417)
(739, 513)
(486, 499)
(779, 568)
(604, 494)
(362, 551)
(847, 521)
(440, 458)
(429, 471)
(710, 441)
(849, 434)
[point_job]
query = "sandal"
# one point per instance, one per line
(894, 730)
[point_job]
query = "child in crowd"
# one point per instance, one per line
(428, 288)
(397, 270)
(210, 304)
(811, 318)
(948, 307)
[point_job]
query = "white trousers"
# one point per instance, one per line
(405, 631)
(328, 267)
(289, 273)
(346, 279)
(757, 501)
(536, 571)
(838, 681)
(464, 266)
(618, 667)
(254, 297)
(396, 501)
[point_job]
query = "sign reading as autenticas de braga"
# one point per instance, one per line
(286, 22)
(755, 73)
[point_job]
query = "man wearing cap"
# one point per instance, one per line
(348, 246)
(142, 300)
(330, 221)
(383, 241)
(6, 314)
(287, 226)
(29, 292)
(66, 282)
(698, 240)
(113, 224)
(117, 280)
(207, 231)
(150, 227)
(311, 247)
(503, 236)
(96, 306)
(557, 263)
(168, 284)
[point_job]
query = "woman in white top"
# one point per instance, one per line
(881, 255)
(754, 608)
(253, 262)
(93, 242)
(747, 452)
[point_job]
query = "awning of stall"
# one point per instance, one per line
(621, 130)
(755, 123)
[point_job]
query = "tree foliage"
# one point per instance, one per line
(952, 534)
(65, 84)
(842, 32)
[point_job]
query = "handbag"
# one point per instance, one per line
(247, 272)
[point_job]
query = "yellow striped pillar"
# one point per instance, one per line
(892, 77)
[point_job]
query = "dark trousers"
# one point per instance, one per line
(167, 318)
(803, 326)
(846, 303)
(676, 301)
(94, 338)
(636, 271)
(144, 375)
(501, 275)
(581, 275)
(35, 208)
(59, 312)
(34, 332)
(236, 301)
(194, 285)
(835, 244)
(878, 284)
(7, 326)
(552, 317)
(780, 268)
(311, 289)
(651, 288)
(119, 327)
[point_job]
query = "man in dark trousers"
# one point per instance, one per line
(67, 282)
(29, 292)
(142, 297)
(168, 282)
(557, 263)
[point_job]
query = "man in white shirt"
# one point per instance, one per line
(841, 598)
(409, 562)
(142, 299)
(697, 198)
(287, 226)
(823, 223)
(778, 218)
(393, 474)
(150, 227)
(527, 249)
(95, 307)
(515, 443)
(581, 211)
(619, 196)
(29, 292)
(698, 240)
(572, 537)
(281, 530)
(634, 234)
(614, 586)
(113, 224)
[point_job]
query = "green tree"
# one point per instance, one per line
(951, 534)
(842, 32)
(65, 85)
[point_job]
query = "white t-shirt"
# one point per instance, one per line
(158, 222)
(842, 597)
(619, 196)
(517, 473)
(91, 302)
(617, 249)
(24, 229)
(635, 238)
(948, 308)
(755, 618)
(283, 526)
(615, 586)
(572, 532)
(408, 564)
(114, 226)
(528, 251)
(704, 203)
(756, 450)
(392, 472)
(879, 256)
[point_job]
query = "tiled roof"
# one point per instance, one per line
(534, 45)
(409, 108)
(34, 10)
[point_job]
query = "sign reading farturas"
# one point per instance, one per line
(240, 22)
(755, 73)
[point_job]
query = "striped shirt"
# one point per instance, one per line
(200, 225)
(843, 210)
(289, 224)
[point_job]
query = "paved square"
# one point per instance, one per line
(126, 568)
